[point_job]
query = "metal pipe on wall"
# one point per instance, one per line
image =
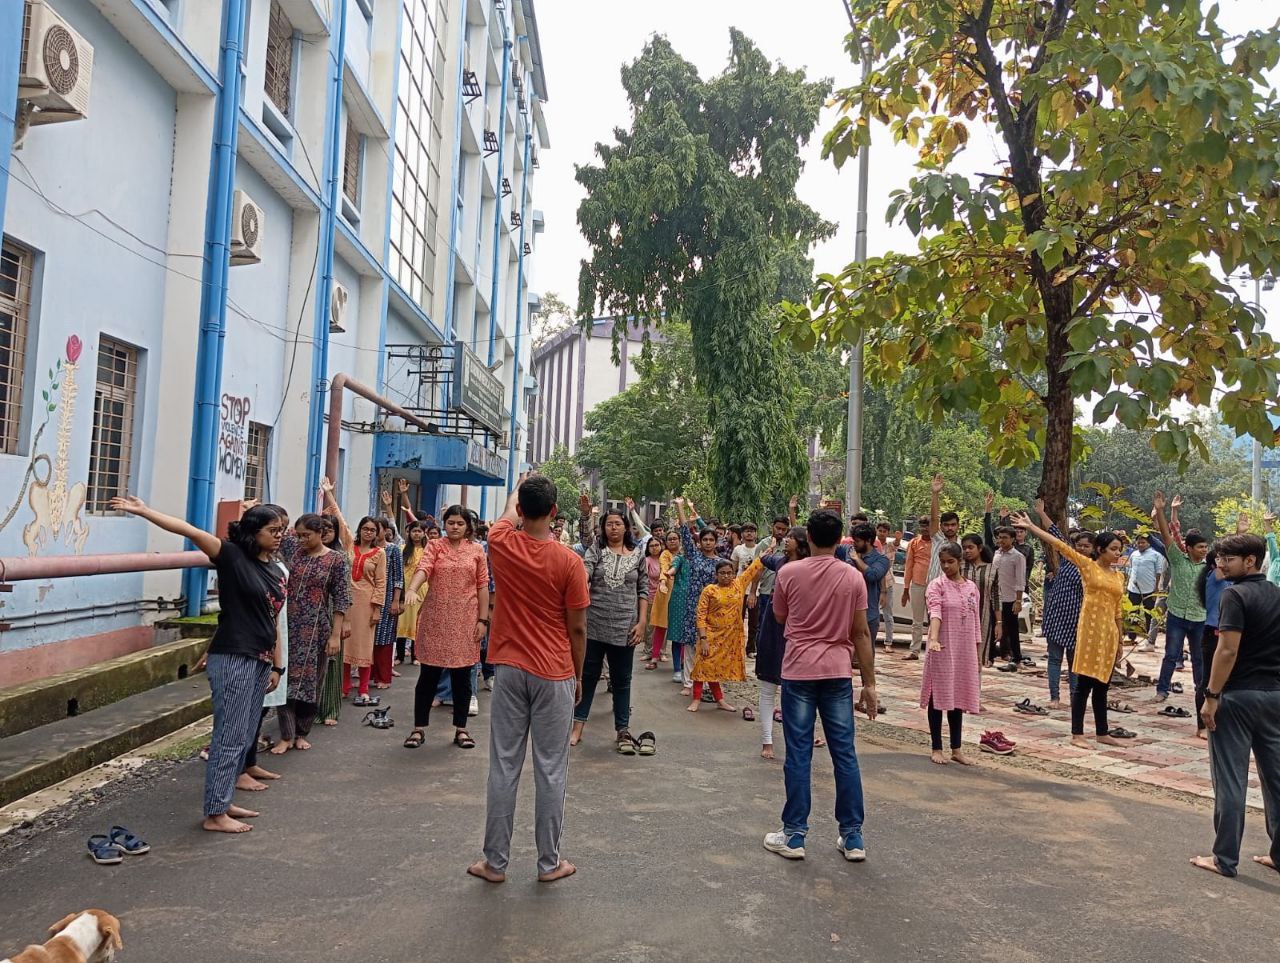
(29, 568)
(513, 450)
(342, 382)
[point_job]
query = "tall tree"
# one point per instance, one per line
(562, 470)
(690, 214)
(1141, 145)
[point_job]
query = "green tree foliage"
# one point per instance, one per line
(1124, 458)
(1140, 145)
(692, 213)
(562, 470)
(646, 440)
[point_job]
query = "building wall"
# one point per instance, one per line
(131, 269)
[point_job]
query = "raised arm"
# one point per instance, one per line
(1020, 520)
(935, 503)
(638, 528)
(402, 486)
(509, 513)
(792, 506)
(210, 544)
(331, 503)
(1157, 515)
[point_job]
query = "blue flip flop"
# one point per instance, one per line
(127, 842)
(103, 851)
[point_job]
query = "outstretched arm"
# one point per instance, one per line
(402, 486)
(638, 527)
(211, 545)
(331, 503)
(791, 509)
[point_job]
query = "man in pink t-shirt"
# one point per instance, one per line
(822, 602)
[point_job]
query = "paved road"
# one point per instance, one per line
(359, 855)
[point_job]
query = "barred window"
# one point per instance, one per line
(352, 160)
(257, 451)
(15, 304)
(114, 402)
(279, 74)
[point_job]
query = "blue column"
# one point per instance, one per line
(516, 386)
(10, 63)
(213, 290)
(328, 226)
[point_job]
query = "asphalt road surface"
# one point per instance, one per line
(361, 849)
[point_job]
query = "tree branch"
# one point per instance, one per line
(1105, 281)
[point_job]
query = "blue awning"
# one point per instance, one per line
(443, 459)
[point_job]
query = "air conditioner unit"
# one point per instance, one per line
(338, 298)
(57, 66)
(247, 227)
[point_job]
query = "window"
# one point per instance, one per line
(278, 81)
(351, 164)
(257, 452)
(114, 400)
(15, 304)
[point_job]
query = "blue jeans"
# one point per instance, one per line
(1056, 654)
(832, 699)
(1176, 631)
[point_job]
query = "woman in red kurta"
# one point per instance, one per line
(451, 623)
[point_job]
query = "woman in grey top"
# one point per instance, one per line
(615, 625)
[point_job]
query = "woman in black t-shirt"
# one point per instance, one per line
(243, 663)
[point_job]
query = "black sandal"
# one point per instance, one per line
(462, 739)
(1121, 733)
(1030, 708)
(415, 739)
(1175, 712)
(625, 743)
(647, 744)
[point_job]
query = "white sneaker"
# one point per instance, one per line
(474, 708)
(788, 847)
(488, 685)
(852, 847)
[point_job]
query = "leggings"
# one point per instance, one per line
(677, 660)
(404, 649)
(955, 723)
(1010, 643)
(1208, 645)
(768, 693)
(659, 636)
(383, 657)
(1086, 685)
(425, 691)
(716, 692)
(364, 671)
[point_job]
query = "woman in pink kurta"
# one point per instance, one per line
(950, 682)
(451, 622)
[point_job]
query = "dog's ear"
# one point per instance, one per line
(62, 924)
(110, 928)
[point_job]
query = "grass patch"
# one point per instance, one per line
(209, 619)
(181, 750)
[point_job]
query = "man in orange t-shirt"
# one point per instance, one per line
(537, 643)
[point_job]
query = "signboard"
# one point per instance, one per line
(481, 459)
(476, 391)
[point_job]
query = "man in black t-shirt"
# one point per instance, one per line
(1242, 702)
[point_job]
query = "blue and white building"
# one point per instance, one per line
(212, 210)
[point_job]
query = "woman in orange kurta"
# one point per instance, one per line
(722, 637)
(368, 592)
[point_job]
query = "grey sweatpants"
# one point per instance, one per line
(524, 704)
(1247, 719)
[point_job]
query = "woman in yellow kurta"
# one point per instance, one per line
(658, 569)
(1098, 630)
(722, 636)
(415, 541)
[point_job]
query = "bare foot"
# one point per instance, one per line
(1081, 741)
(301, 744)
(725, 706)
(1055, 703)
(257, 772)
(482, 870)
(281, 747)
(766, 752)
(693, 706)
(436, 703)
(686, 691)
(331, 722)
(1202, 734)
(224, 824)
(575, 735)
(1108, 741)
(395, 674)
(1266, 861)
(1206, 862)
(247, 783)
(937, 756)
(239, 812)
(819, 742)
(957, 755)
(565, 868)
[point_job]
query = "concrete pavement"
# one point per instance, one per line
(361, 848)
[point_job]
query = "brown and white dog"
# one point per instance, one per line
(92, 936)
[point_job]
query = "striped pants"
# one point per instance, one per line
(239, 683)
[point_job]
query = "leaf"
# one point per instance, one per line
(1109, 68)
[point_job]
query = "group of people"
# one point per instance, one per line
(544, 620)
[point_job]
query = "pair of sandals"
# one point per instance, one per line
(1174, 712)
(365, 701)
(462, 739)
(108, 849)
(646, 744)
(1027, 707)
(1115, 705)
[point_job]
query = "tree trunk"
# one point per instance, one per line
(1060, 407)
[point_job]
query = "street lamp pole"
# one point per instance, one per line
(853, 433)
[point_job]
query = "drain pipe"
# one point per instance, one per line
(516, 386)
(342, 383)
(213, 291)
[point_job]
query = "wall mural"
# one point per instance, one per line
(56, 507)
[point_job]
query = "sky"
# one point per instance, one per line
(585, 43)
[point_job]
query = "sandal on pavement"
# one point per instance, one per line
(103, 851)
(462, 739)
(650, 666)
(1121, 733)
(365, 700)
(1115, 705)
(127, 842)
(626, 745)
(1176, 687)
(1174, 712)
(748, 714)
(415, 739)
(1030, 708)
(647, 744)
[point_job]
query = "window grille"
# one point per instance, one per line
(114, 400)
(15, 307)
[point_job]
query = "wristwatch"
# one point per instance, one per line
(277, 669)
(1212, 695)
(483, 621)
